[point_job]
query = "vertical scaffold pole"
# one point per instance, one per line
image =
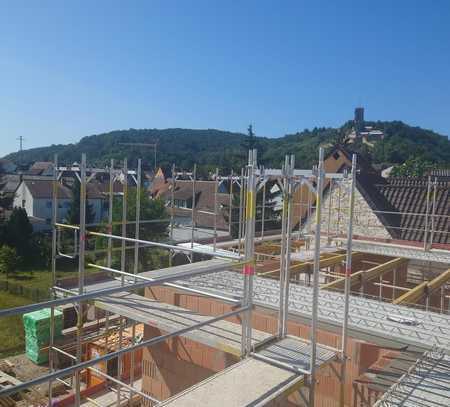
(338, 219)
(286, 249)
(172, 197)
(194, 178)
(54, 236)
(425, 234)
(110, 211)
(110, 231)
(241, 210)
(316, 272)
(300, 211)
(330, 204)
(263, 212)
(433, 212)
(136, 261)
(348, 272)
(249, 251)
(216, 187)
(81, 254)
(230, 204)
(283, 244)
(122, 268)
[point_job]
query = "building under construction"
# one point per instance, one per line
(344, 304)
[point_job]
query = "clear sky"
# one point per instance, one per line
(69, 69)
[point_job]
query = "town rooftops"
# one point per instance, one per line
(43, 189)
(40, 167)
(400, 203)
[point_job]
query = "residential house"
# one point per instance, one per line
(7, 167)
(43, 168)
(394, 209)
(203, 203)
(35, 196)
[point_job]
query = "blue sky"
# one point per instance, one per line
(71, 69)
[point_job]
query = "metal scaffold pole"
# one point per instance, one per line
(241, 206)
(286, 171)
(122, 267)
(216, 187)
(427, 210)
(249, 251)
(263, 212)
(230, 204)
(81, 254)
(54, 253)
(172, 204)
(194, 178)
(348, 273)
(287, 240)
(316, 273)
(110, 230)
(330, 204)
(136, 262)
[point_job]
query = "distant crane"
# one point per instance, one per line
(152, 145)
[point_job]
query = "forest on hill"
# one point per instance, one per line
(212, 148)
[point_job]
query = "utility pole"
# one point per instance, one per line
(21, 139)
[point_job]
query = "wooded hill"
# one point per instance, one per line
(211, 148)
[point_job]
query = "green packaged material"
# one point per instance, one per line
(37, 333)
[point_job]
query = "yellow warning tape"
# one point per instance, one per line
(317, 206)
(285, 203)
(250, 210)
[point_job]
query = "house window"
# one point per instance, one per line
(48, 204)
(180, 203)
(23, 203)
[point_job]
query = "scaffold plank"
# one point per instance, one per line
(254, 382)
(249, 382)
(222, 335)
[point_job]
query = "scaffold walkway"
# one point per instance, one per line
(222, 335)
(274, 372)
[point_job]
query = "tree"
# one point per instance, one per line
(250, 141)
(73, 214)
(414, 167)
(18, 232)
(271, 213)
(150, 209)
(8, 260)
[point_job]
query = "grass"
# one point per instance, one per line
(37, 278)
(12, 339)
(11, 328)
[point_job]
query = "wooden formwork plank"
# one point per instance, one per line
(367, 275)
(427, 287)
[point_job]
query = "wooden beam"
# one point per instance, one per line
(367, 275)
(427, 287)
(306, 267)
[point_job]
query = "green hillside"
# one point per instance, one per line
(210, 148)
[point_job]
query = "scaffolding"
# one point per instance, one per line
(213, 278)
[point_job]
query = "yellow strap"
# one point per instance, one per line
(317, 206)
(250, 209)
